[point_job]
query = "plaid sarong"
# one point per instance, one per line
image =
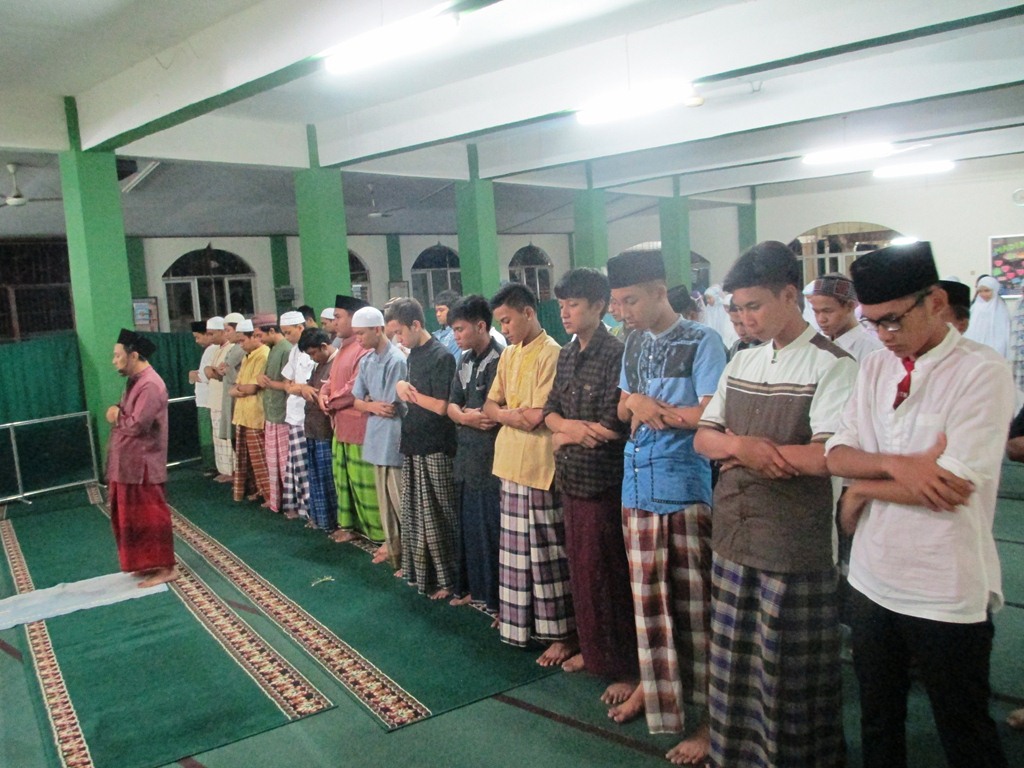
(775, 693)
(670, 576)
(323, 503)
(275, 437)
(295, 494)
(430, 523)
(356, 490)
(223, 451)
(142, 526)
(533, 570)
(251, 475)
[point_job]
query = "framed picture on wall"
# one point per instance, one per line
(144, 312)
(1008, 263)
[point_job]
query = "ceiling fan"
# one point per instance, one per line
(15, 199)
(374, 212)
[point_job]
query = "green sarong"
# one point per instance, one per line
(357, 492)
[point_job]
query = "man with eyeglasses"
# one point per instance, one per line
(923, 437)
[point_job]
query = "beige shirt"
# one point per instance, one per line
(523, 380)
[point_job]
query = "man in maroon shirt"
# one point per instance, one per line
(137, 466)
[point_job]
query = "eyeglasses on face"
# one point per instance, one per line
(894, 323)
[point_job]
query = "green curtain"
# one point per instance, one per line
(176, 354)
(551, 321)
(40, 378)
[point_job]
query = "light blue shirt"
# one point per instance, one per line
(376, 380)
(447, 338)
(662, 471)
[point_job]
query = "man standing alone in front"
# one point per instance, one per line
(137, 466)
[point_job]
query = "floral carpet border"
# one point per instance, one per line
(293, 694)
(385, 699)
(72, 750)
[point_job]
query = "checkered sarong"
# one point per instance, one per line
(323, 503)
(295, 493)
(356, 489)
(223, 451)
(670, 577)
(430, 523)
(275, 437)
(533, 570)
(251, 474)
(775, 693)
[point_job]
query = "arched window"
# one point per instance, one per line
(360, 277)
(532, 267)
(207, 282)
(436, 269)
(700, 268)
(833, 247)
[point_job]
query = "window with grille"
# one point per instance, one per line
(35, 288)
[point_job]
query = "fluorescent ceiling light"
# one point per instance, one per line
(908, 240)
(392, 41)
(849, 154)
(638, 101)
(914, 169)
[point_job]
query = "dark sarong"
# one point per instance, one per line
(480, 521)
(599, 582)
(142, 526)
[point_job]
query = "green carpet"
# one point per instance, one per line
(445, 657)
(149, 683)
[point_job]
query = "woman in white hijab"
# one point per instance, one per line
(990, 319)
(716, 315)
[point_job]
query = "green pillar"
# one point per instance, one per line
(137, 267)
(394, 246)
(323, 238)
(674, 220)
(590, 230)
(100, 284)
(478, 231)
(746, 219)
(279, 269)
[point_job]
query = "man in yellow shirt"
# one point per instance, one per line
(533, 579)
(252, 478)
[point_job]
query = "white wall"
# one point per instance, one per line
(161, 253)
(957, 211)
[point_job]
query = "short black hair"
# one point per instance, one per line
(307, 312)
(406, 311)
(313, 338)
(681, 300)
(129, 348)
(766, 265)
(516, 296)
(271, 327)
(584, 283)
(960, 312)
(446, 299)
(472, 309)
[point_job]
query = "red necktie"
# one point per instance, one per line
(903, 388)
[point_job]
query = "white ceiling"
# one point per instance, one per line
(221, 92)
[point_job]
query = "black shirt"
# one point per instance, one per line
(424, 432)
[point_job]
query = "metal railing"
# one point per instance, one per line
(175, 461)
(52, 454)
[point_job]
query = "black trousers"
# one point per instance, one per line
(952, 663)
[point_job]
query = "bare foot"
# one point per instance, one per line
(224, 479)
(159, 576)
(341, 536)
(496, 624)
(291, 515)
(381, 554)
(441, 594)
(692, 750)
(266, 505)
(616, 693)
(1016, 719)
(630, 709)
(557, 652)
(464, 600)
(574, 664)
(399, 574)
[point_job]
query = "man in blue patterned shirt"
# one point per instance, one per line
(670, 370)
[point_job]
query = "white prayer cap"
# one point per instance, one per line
(368, 317)
(327, 313)
(809, 289)
(215, 324)
(233, 317)
(292, 318)
(244, 326)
